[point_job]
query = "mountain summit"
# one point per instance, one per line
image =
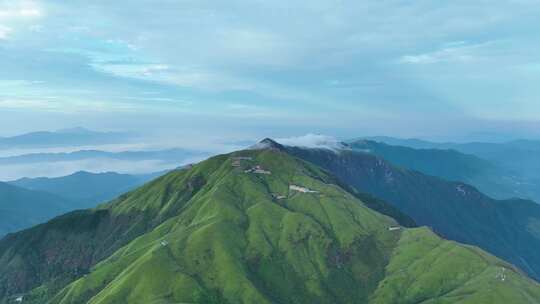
(268, 143)
(254, 226)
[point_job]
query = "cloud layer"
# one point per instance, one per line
(326, 65)
(316, 141)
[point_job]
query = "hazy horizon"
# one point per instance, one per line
(484, 136)
(30, 157)
(211, 77)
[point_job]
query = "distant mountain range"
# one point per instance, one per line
(31, 201)
(507, 153)
(452, 165)
(38, 164)
(169, 155)
(263, 226)
(87, 188)
(522, 144)
(503, 170)
(22, 208)
(66, 137)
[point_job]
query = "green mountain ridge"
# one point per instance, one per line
(254, 226)
(508, 229)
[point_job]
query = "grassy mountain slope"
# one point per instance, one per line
(218, 234)
(56, 252)
(427, 269)
(508, 229)
(21, 208)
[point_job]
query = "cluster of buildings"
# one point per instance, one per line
(257, 169)
(237, 163)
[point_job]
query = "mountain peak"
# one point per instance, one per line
(267, 143)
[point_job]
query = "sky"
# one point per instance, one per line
(237, 70)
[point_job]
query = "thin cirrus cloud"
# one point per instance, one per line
(369, 63)
(4, 31)
(16, 14)
(459, 52)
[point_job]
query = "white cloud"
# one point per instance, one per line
(4, 32)
(20, 13)
(315, 141)
(451, 52)
(17, 9)
(141, 71)
(15, 14)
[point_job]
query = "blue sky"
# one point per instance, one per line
(250, 69)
